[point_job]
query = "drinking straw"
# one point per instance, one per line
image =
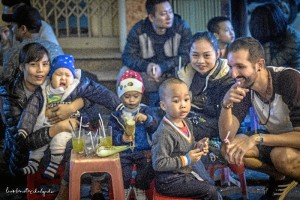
(73, 131)
(226, 139)
(102, 125)
(92, 139)
(80, 127)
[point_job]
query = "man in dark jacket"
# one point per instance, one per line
(157, 45)
(26, 25)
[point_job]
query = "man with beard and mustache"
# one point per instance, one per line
(274, 93)
(156, 45)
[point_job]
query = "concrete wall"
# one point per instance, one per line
(135, 11)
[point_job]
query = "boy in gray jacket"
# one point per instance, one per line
(174, 150)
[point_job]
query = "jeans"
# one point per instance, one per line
(201, 171)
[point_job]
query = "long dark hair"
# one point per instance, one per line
(267, 23)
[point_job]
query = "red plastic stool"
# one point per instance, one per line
(34, 181)
(226, 178)
(157, 196)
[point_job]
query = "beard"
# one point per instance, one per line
(249, 81)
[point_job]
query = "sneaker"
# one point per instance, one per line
(139, 194)
(277, 190)
(127, 193)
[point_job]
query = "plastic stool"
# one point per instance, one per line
(226, 178)
(34, 181)
(80, 164)
(149, 192)
(157, 196)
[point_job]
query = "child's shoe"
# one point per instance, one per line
(139, 194)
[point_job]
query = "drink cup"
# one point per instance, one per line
(130, 127)
(91, 140)
(78, 142)
(105, 136)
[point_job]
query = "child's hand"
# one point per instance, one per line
(126, 138)
(203, 145)
(195, 155)
(140, 117)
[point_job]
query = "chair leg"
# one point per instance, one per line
(243, 185)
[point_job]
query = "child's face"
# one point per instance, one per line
(176, 102)
(62, 77)
(131, 99)
(226, 33)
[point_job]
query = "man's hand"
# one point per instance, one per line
(140, 117)
(235, 94)
(238, 147)
(154, 71)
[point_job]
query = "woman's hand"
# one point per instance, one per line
(63, 126)
(63, 111)
(58, 113)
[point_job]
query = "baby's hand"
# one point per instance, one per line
(126, 138)
(195, 155)
(140, 117)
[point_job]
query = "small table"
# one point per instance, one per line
(80, 164)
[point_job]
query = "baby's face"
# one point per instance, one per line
(62, 77)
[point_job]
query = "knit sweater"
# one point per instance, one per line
(170, 148)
